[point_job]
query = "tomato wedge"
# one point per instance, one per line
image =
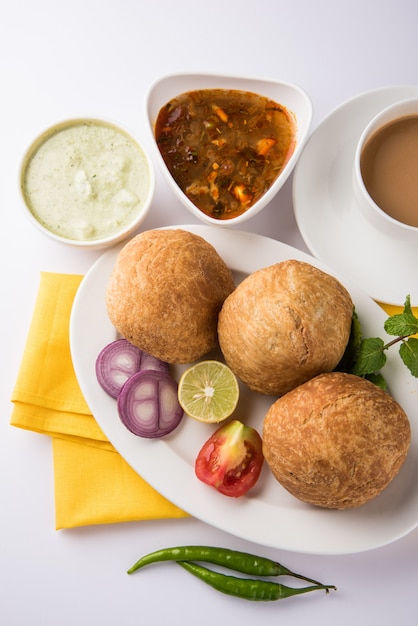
(231, 459)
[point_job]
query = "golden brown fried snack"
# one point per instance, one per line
(336, 441)
(165, 292)
(283, 325)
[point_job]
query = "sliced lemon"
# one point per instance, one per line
(208, 391)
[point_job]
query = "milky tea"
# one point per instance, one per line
(389, 168)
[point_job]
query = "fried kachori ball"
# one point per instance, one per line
(283, 325)
(336, 441)
(165, 292)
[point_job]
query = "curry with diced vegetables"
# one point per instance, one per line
(224, 148)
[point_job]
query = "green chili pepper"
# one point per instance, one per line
(247, 588)
(232, 559)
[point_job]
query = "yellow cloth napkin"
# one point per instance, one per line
(93, 484)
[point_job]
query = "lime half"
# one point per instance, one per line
(208, 391)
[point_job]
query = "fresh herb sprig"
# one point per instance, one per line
(367, 356)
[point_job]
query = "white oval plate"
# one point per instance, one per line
(268, 515)
(327, 215)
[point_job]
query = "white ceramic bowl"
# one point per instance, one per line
(290, 96)
(86, 182)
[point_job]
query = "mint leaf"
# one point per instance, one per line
(409, 355)
(402, 324)
(353, 346)
(378, 380)
(371, 357)
(366, 357)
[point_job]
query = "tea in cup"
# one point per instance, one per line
(386, 170)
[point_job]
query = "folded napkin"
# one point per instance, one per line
(93, 483)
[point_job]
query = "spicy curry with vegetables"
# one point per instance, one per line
(224, 148)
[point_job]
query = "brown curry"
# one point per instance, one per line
(224, 148)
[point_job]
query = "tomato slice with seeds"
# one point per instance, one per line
(231, 459)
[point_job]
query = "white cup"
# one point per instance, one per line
(379, 218)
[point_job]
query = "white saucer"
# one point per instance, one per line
(329, 220)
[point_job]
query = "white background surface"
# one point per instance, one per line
(98, 57)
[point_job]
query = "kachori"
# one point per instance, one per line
(165, 292)
(336, 441)
(283, 325)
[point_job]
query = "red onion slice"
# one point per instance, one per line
(148, 404)
(119, 360)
